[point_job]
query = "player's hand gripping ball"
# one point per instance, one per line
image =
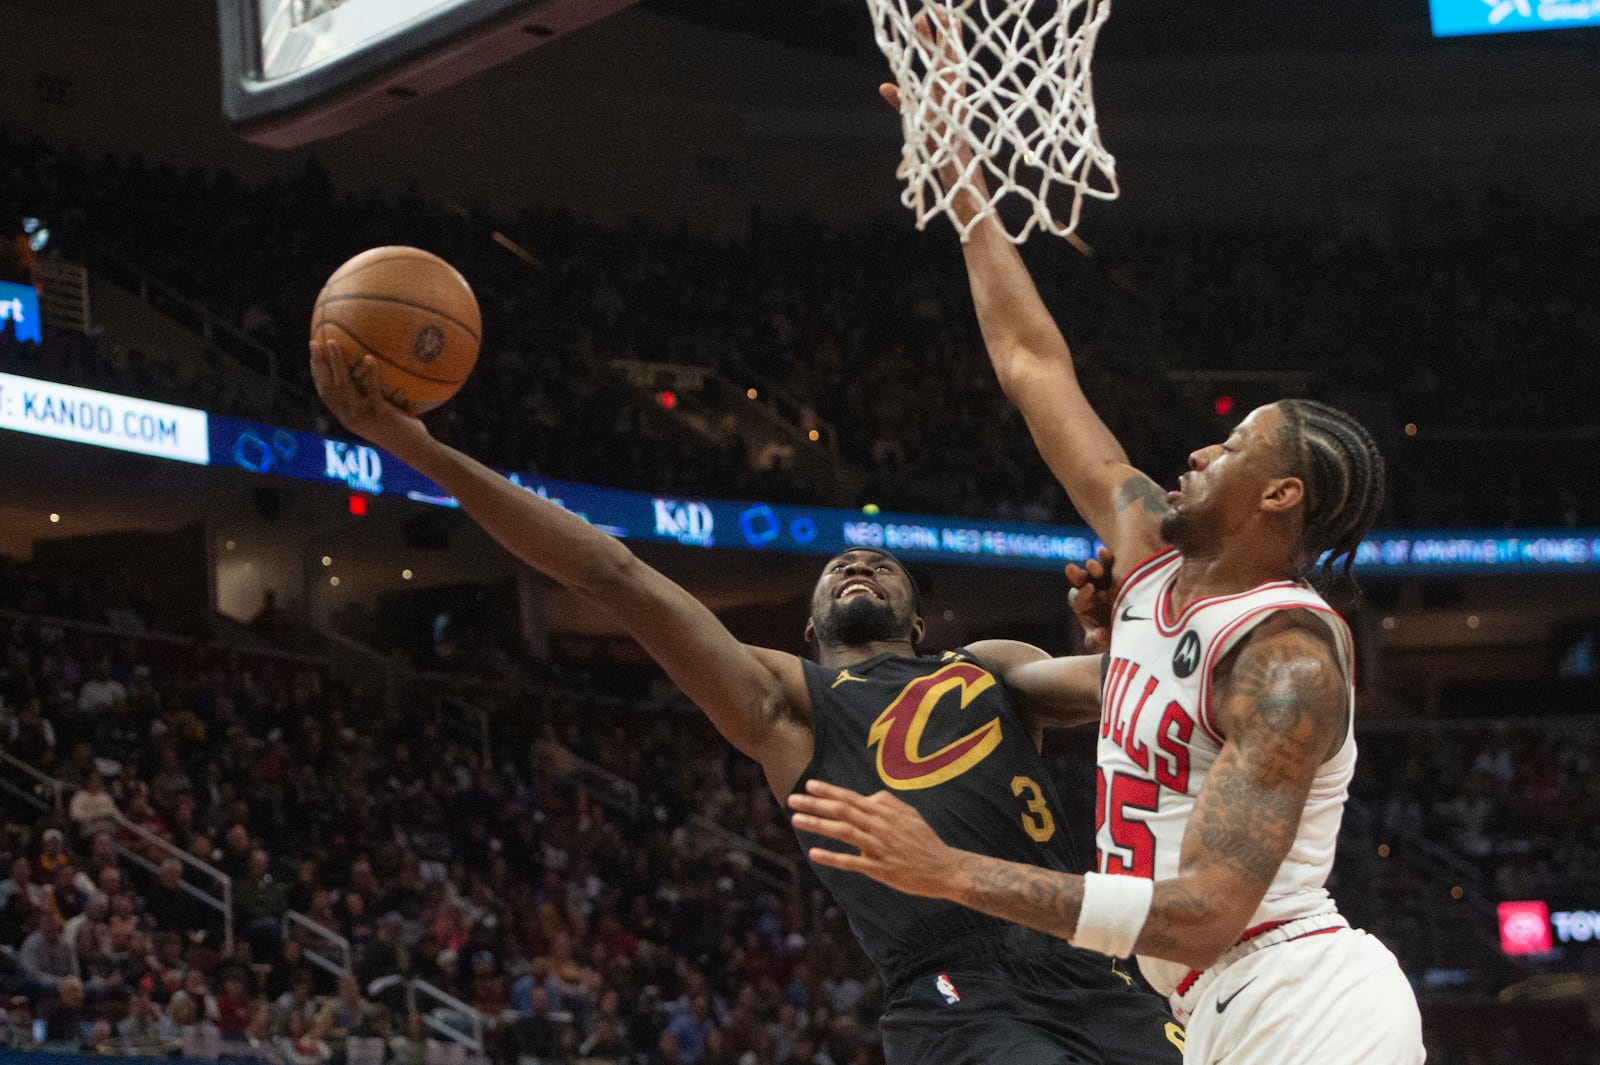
(413, 313)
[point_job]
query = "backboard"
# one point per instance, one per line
(295, 71)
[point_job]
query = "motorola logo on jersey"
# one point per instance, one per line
(1186, 659)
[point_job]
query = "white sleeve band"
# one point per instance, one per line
(1113, 913)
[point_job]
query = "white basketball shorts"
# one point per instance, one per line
(1335, 997)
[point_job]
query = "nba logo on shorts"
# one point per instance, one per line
(947, 989)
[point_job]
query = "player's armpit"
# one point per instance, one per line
(1282, 708)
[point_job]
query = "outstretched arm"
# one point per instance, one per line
(755, 697)
(1033, 363)
(1049, 692)
(1034, 366)
(1283, 710)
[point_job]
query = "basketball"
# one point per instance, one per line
(413, 313)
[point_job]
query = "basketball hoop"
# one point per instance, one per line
(1012, 88)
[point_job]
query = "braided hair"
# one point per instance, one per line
(1338, 461)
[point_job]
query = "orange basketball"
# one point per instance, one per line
(413, 313)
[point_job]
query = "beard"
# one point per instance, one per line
(1174, 526)
(861, 619)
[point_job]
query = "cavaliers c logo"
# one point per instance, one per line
(897, 734)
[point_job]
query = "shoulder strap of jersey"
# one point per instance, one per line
(1236, 630)
(1142, 572)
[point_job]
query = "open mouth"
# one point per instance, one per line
(859, 587)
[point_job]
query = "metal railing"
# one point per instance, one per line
(603, 786)
(777, 871)
(436, 999)
(343, 965)
(63, 294)
(218, 334)
(221, 902)
(54, 786)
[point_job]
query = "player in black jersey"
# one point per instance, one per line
(955, 735)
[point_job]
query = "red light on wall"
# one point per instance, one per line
(667, 399)
(1224, 405)
(358, 506)
(1525, 928)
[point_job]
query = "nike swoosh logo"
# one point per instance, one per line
(1223, 1003)
(1131, 617)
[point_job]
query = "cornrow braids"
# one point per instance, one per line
(1339, 462)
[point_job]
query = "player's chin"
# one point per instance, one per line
(1174, 523)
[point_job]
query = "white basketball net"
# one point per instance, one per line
(1008, 110)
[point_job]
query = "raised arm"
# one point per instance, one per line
(1034, 365)
(755, 697)
(1282, 707)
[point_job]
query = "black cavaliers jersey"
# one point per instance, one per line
(943, 735)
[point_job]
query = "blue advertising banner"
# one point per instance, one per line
(104, 419)
(19, 305)
(756, 526)
(1457, 18)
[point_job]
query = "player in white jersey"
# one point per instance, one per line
(1226, 743)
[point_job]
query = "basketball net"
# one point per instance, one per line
(1004, 108)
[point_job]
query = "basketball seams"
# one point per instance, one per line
(324, 322)
(464, 327)
(410, 310)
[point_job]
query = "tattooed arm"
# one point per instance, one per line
(1282, 706)
(1034, 366)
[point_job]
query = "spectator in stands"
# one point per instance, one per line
(691, 1030)
(52, 853)
(303, 1044)
(237, 849)
(67, 1020)
(93, 919)
(66, 898)
(74, 770)
(234, 1004)
(100, 974)
(168, 903)
(98, 693)
(197, 997)
(410, 1047)
(607, 1044)
(21, 882)
(123, 922)
(92, 808)
(33, 737)
(298, 999)
(44, 959)
(144, 1023)
(259, 902)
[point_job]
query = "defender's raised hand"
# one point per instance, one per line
(1093, 593)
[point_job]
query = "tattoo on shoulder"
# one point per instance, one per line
(1141, 489)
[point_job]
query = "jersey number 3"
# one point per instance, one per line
(1111, 797)
(1037, 821)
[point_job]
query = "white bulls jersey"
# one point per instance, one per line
(1158, 738)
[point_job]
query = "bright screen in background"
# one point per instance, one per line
(297, 35)
(1524, 928)
(19, 304)
(1457, 18)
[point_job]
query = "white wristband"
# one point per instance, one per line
(1113, 913)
